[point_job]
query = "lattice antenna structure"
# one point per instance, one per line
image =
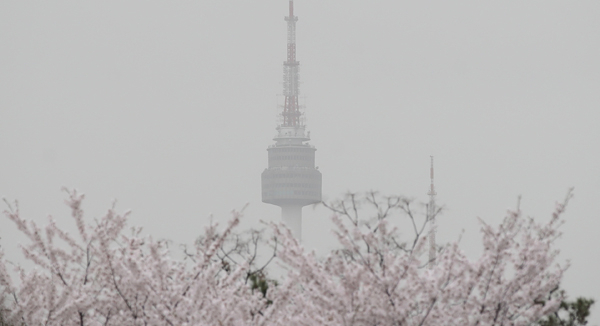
(431, 211)
(291, 78)
(291, 180)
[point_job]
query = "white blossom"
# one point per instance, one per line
(105, 277)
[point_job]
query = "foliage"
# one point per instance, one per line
(570, 313)
(105, 277)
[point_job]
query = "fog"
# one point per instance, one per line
(169, 107)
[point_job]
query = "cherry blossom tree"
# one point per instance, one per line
(375, 280)
(106, 275)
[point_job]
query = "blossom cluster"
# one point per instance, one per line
(102, 276)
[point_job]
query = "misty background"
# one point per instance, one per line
(169, 107)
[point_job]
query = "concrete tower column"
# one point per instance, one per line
(292, 218)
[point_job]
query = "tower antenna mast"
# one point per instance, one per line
(291, 108)
(431, 218)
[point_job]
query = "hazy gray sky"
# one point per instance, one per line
(169, 108)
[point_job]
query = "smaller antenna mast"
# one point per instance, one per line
(431, 218)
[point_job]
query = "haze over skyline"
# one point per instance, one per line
(169, 107)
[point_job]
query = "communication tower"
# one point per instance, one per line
(291, 180)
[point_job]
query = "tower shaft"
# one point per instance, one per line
(291, 215)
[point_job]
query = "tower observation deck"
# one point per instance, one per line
(291, 180)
